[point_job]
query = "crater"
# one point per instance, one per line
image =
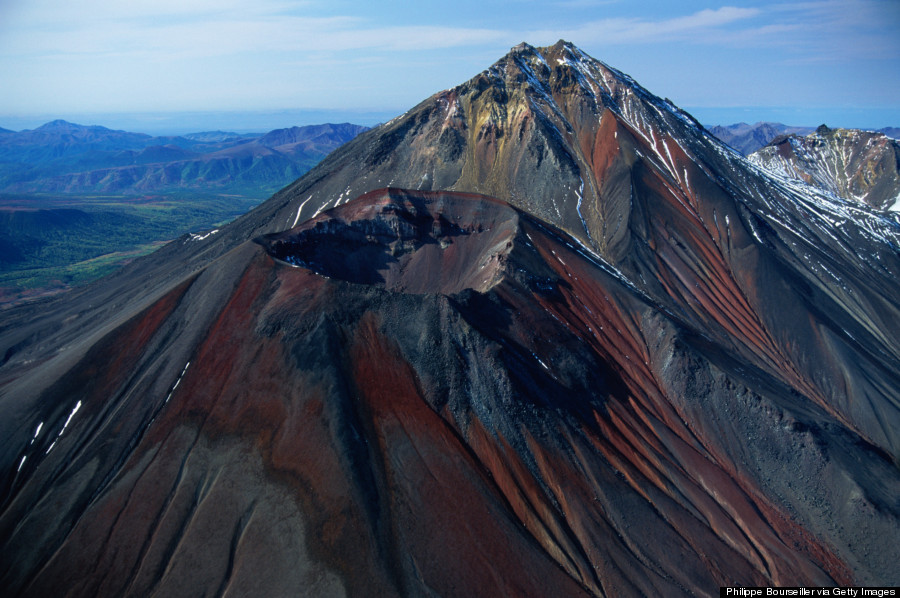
(406, 241)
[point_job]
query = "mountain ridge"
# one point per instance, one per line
(103, 195)
(63, 157)
(855, 165)
(749, 138)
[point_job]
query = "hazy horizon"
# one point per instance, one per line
(180, 123)
(158, 66)
(263, 121)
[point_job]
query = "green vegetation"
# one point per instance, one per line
(50, 277)
(59, 241)
(76, 202)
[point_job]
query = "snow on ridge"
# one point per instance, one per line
(300, 209)
(177, 382)
(37, 432)
(829, 212)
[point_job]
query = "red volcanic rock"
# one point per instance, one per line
(425, 391)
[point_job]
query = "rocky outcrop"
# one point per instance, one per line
(855, 165)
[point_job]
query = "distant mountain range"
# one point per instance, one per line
(63, 157)
(76, 201)
(749, 138)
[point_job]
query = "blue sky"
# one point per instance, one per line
(195, 64)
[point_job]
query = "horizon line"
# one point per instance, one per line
(176, 122)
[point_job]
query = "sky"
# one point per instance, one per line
(187, 65)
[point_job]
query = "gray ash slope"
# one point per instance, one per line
(741, 330)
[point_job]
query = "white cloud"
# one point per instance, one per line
(184, 35)
(842, 30)
(201, 51)
(642, 30)
(173, 28)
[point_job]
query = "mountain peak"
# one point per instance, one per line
(567, 48)
(543, 127)
(522, 47)
(59, 124)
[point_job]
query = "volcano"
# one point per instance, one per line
(541, 335)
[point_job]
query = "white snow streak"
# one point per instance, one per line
(177, 382)
(300, 209)
(896, 206)
(69, 419)
(37, 431)
(579, 193)
(65, 425)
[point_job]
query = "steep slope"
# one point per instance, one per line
(686, 220)
(656, 370)
(421, 374)
(856, 165)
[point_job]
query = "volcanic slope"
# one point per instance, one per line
(857, 165)
(422, 391)
(743, 257)
(683, 374)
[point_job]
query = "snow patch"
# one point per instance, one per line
(177, 382)
(69, 419)
(300, 209)
(579, 194)
(896, 206)
(196, 237)
(544, 365)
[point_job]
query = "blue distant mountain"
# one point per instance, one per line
(749, 138)
(64, 157)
